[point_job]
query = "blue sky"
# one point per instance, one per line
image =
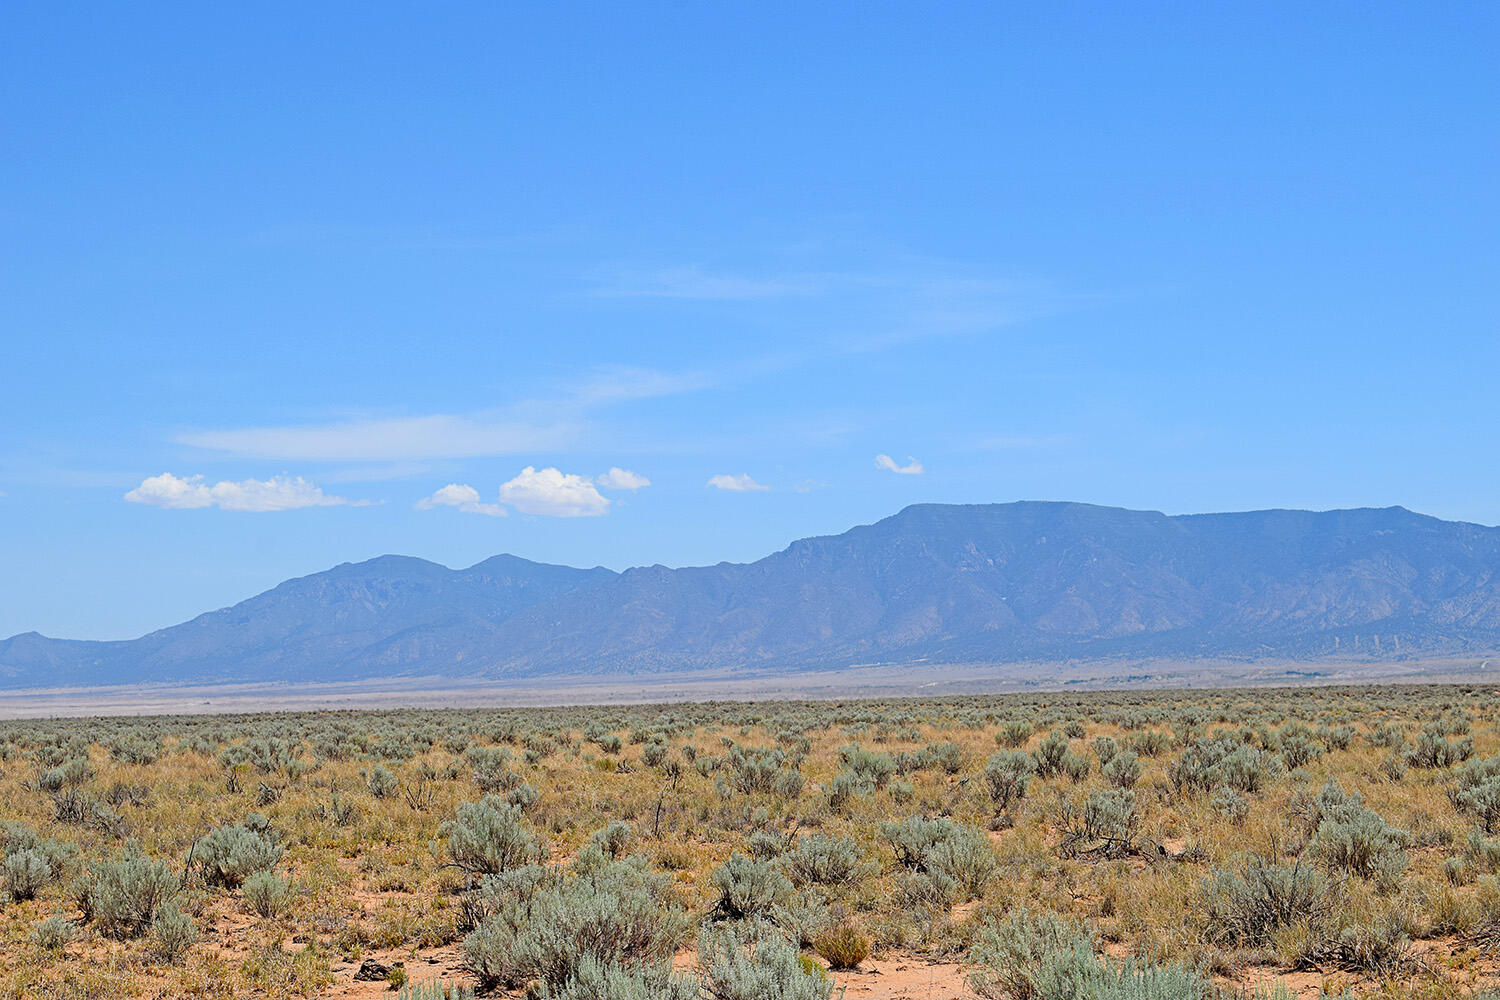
(313, 282)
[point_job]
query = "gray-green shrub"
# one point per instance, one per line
(490, 836)
(230, 854)
(123, 897)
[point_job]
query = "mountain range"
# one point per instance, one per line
(1001, 583)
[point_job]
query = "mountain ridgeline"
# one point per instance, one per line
(935, 583)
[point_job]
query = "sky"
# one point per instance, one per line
(290, 285)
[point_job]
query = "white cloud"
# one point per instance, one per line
(277, 493)
(623, 479)
(736, 484)
(552, 493)
(913, 468)
(464, 497)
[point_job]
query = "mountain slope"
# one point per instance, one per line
(959, 583)
(1030, 580)
(320, 627)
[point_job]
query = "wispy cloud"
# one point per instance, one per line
(911, 468)
(393, 439)
(905, 300)
(258, 495)
(736, 484)
(552, 493)
(463, 497)
(694, 283)
(556, 422)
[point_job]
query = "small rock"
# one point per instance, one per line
(372, 971)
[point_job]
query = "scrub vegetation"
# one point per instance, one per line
(1052, 846)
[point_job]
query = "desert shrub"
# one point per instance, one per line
(753, 770)
(1434, 750)
(17, 837)
(1106, 823)
(1076, 766)
(381, 782)
(1297, 750)
(523, 796)
(842, 790)
(1382, 947)
(1044, 958)
(490, 768)
(916, 892)
(868, 769)
(123, 897)
(516, 885)
(1230, 804)
(1105, 748)
(966, 859)
(787, 784)
(753, 964)
(654, 754)
(955, 855)
(437, 989)
(1458, 871)
(1123, 770)
(1007, 775)
(946, 757)
(842, 947)
(1051, 754)
(596, 980)
(748, 888)
(172, 932)
(68, 775)
(53, 934)
(135, 750)
(1337, 737)
(266, 893)
(1484, 852)
(803, 916)
(615, 914)
(1014, 733)
(489, 836)
(1247, 769)
(1244, 907)
(230, 854)
(26, 873)
(1353, 839)
(764, 844)
(1476, 792)
(822, 860)
(614, 839)
(1151, 743)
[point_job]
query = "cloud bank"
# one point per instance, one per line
(258, 495)
(546, 492)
